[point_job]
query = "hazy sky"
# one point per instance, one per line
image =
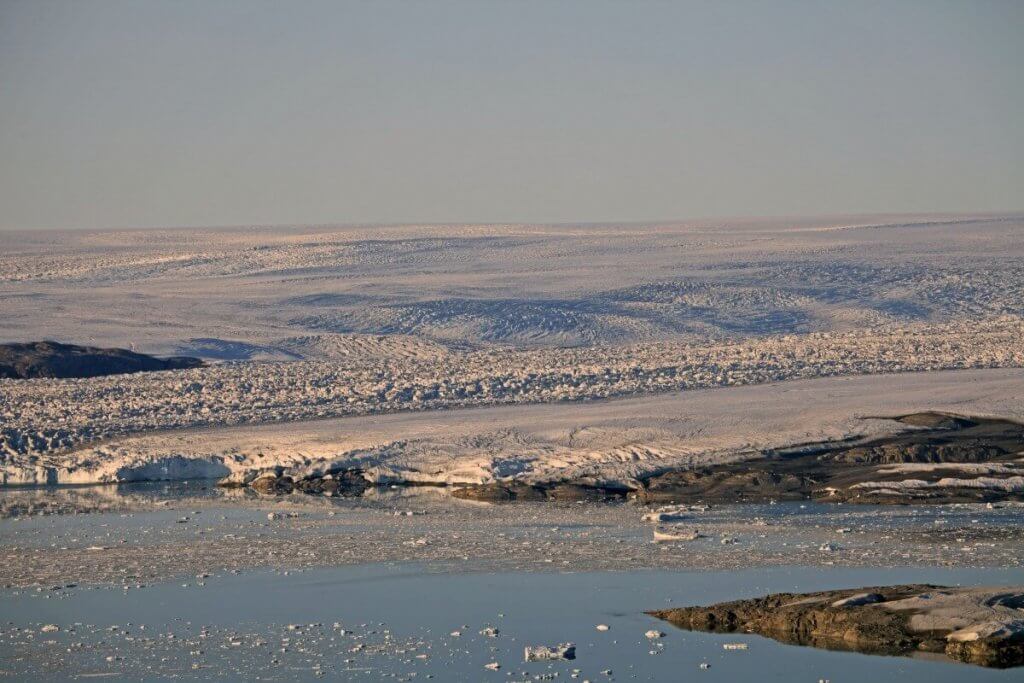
(222, 112)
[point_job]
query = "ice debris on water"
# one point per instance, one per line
(538, 653)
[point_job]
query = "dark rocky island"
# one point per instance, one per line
(982, 626)
(940, 458)
(32, 360)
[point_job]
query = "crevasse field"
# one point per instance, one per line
(715, 338)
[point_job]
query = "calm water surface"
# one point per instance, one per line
(419, 610)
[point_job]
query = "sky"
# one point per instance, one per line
(243, 112)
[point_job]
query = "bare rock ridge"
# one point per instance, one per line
(942, 458)
(982, 626)
(52, 359)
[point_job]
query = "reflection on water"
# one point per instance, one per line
(18, 501)
(49, 500)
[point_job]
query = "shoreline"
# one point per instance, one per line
(933, 458)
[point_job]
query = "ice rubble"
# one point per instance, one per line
(42, 416)
(599, 442)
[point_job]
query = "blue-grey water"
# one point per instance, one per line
(400, 611)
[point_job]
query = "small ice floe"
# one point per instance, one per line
(417, 542)
(670, 535)
(493, 666)
(734, 646)
(602, 627)
(50, 628)
(858, 600)
(540, 653)
(654, 635)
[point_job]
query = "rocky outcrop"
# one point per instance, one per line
(33, 360)
(983, 626)
(943, 459)
(346, 482)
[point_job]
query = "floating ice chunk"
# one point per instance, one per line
(669, 535)
(539, 653)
